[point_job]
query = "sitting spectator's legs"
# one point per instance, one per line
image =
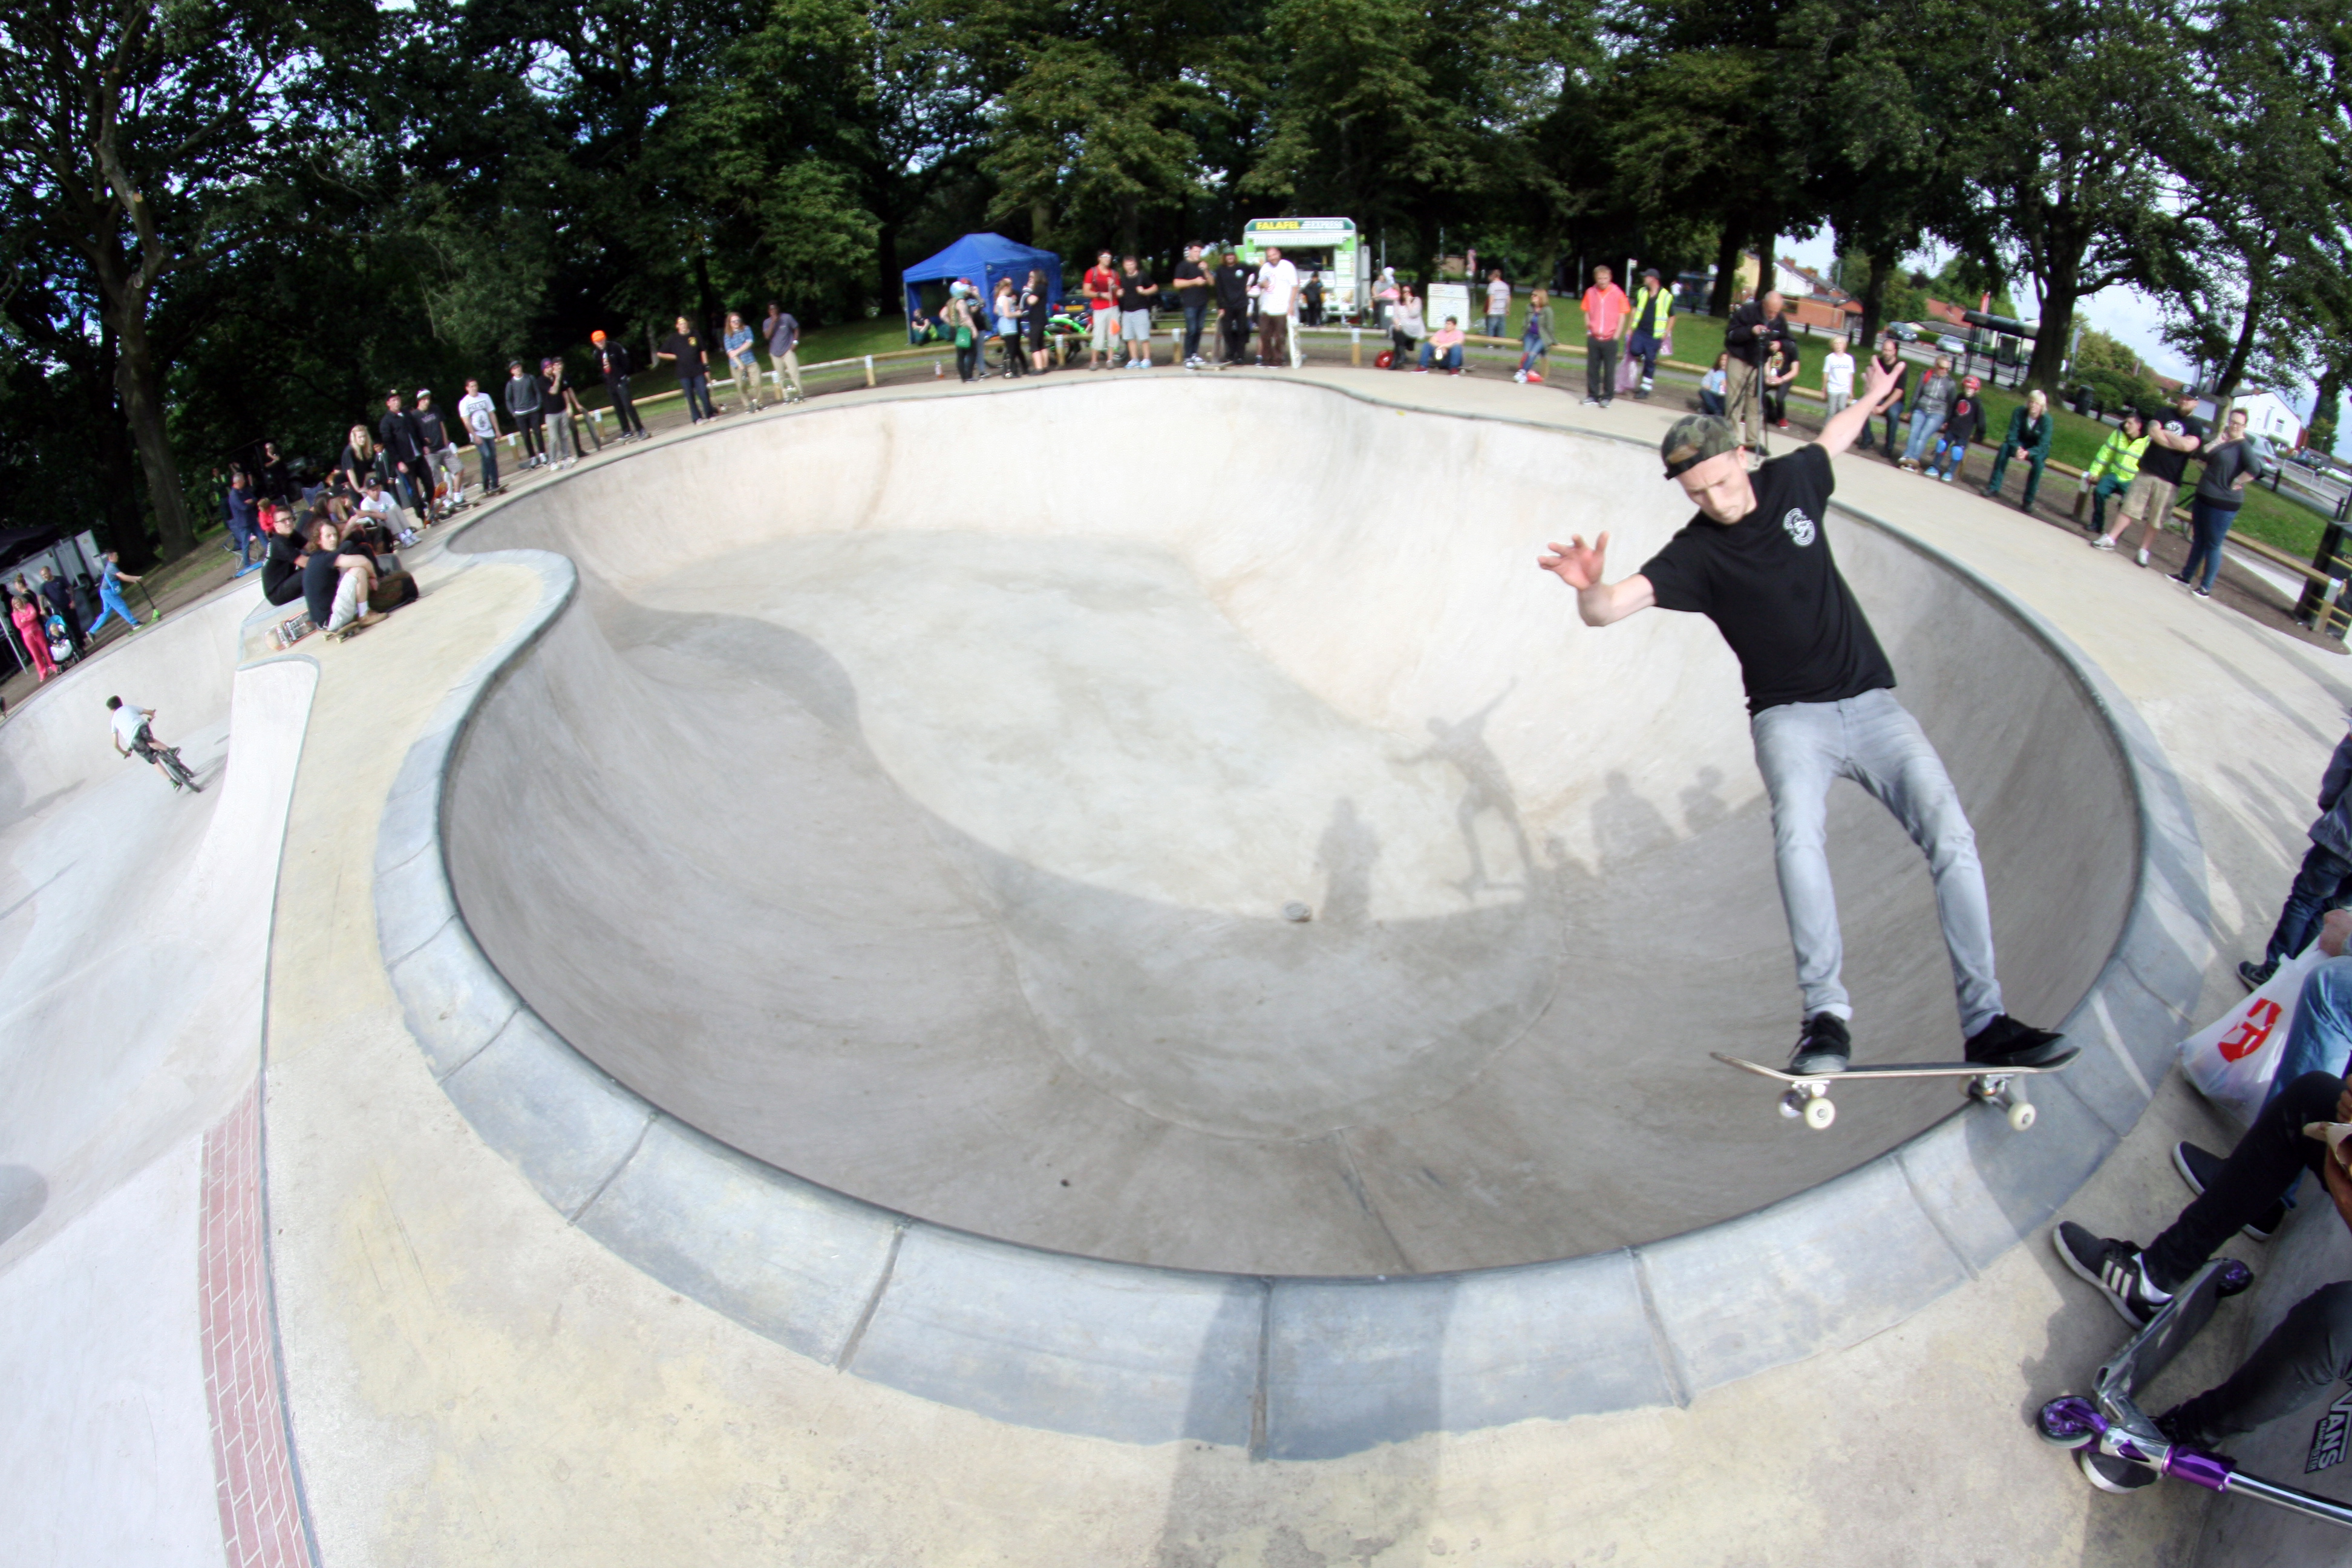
(356, 575)
(2267, 1159)
(2303, 1357)
(2321, 1037)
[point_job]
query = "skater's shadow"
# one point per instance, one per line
(1463, 745)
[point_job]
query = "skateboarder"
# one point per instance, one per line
(1756, 561)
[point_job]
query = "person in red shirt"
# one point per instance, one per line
(1604, 313)
(1102, 300)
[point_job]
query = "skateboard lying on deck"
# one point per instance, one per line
(1810, 1097)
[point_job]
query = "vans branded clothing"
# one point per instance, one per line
(2167, 464)
(1771, 586)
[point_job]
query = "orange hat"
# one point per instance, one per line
(596, 337)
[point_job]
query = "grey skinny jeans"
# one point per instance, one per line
(1801, 748)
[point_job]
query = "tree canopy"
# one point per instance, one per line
(238, 218)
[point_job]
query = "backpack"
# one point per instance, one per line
(392, 590)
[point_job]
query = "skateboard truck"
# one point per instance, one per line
(1806, 1098)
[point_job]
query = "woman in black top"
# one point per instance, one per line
(362, 457)
(1035, 308)
(2229, 468)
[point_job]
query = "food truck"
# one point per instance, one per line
(1327, 243)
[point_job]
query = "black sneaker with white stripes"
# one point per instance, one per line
(2115, 1267)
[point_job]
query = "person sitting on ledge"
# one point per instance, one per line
(1443, 348)
(2311, 1349)
(1756, 560)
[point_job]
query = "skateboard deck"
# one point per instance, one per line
(1809, 1098)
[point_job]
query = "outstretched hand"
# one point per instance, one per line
(1575, 564)
(1879, 386)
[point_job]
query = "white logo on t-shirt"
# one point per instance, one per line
(1799, 526)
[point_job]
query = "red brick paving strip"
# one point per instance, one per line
(253, 1467)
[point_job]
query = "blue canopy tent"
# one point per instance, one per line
(984, 258)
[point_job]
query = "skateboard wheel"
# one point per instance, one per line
(1819, 1114)
(1792, 1105)
(2021, 1116)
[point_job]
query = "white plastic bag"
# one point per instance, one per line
(2231, 1059)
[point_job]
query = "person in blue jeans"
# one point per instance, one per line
(1928, 410)
(2303, 1358)
(111, 576)
(2324, 882)
(1443, 349)
(2229, 468)
(1756, 560)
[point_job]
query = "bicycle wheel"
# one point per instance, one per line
(180, 772)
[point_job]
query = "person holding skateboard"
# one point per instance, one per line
(1756, 562)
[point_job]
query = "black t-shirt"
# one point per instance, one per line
(688, 350)
(2167, 463)
(1232, 287)
(428, 424)
(2224, 464)
(1197, 295)
(1131, 296)
(319, 587)
(280, 581)
(1772, 587)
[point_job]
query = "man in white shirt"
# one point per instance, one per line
(133, 737)
(1277, 297)
(1837, 376)
(481, 418)
(1499, 304)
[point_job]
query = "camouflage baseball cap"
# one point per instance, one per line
(1695, 439)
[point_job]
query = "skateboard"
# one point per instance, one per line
(2110, 1420)
(1810, 1097)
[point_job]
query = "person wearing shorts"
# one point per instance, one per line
(1102, 306)
(1136, 291)
(2172, 440)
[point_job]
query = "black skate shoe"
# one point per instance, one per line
(1823, 1047)
(2006, 1043)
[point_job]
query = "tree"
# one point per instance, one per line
(2061, 110)
(122, 130)
(2262, 194)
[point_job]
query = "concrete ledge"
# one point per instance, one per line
(1071, 1344)
(1294, 1368)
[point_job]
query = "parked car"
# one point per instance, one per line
(1903, 331)
(1950, 345)
(2304, 456)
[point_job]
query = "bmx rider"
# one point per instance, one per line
(133, 737)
